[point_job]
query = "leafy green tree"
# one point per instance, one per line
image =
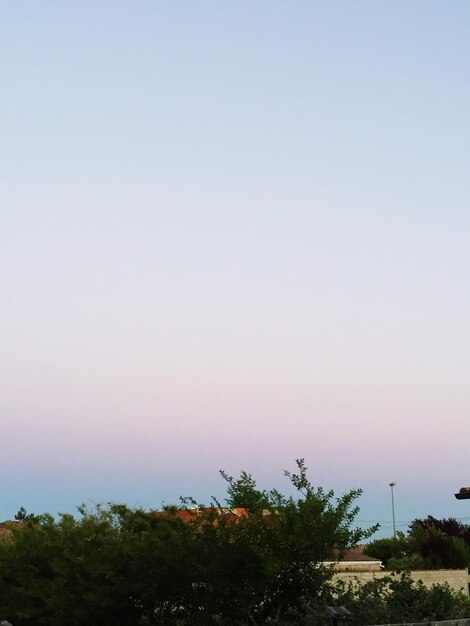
(448, 526)
(387, 548)
(276, 554)
(243, 492)
(429, 544)
(438, 549)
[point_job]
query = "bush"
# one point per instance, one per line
(122, 566)
(396, 599)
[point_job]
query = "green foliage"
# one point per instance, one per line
(448, 526)
(122, 566)
(438, 549)
(397, 599)
(406, 562)
(429, 544)
(459, 553)
(388, 548)
(243, 493)
(23, 515)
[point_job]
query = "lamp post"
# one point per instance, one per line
(392, 485)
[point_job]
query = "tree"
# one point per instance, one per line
(449, 526)
(387, 548)
(272, 559)
(429, 544)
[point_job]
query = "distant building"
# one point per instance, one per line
(354, 560)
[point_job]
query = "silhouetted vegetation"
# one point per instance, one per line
(121, 566)
(398, 599)
(429, 544)
(205, 565)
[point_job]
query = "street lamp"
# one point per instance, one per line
(392, 485)
(463, 494)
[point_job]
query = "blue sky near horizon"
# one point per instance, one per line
(231, 235)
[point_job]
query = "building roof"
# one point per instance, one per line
(192, 514)
(357, 554)
(354, 555)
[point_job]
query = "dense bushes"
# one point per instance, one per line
(121, 566)
(201, 566)
(397, 599)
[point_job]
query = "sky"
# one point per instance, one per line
(233, 234)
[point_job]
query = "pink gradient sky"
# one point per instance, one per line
(232, 236)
